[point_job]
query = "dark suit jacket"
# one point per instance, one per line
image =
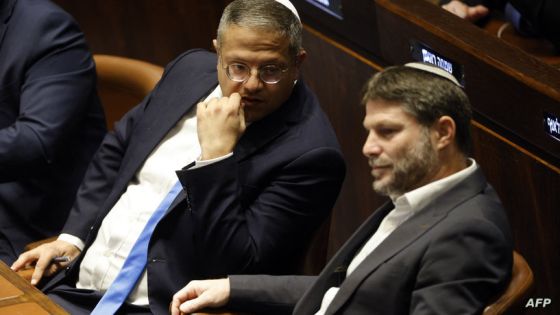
(248, 213)
(51, 121)
(452, 257)
(542, 16)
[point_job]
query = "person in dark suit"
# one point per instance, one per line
(529, 17)
(442, 246)
(51, 121)
(267, 169)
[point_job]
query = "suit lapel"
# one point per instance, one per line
(402, 237)
(159, 120)
(407, 233)
(335, 271)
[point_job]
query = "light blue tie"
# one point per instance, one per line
(135, 262)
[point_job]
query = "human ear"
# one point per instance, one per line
(300, 58)
(444, 131)
(298, 61)
(215, 44)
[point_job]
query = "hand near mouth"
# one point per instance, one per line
(220, 124)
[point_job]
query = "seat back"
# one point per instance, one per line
(122, 83)
(521, 281)
(315, 257)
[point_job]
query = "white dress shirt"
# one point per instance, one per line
(123, 224)
(405, 207)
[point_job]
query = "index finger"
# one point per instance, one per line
(234, 100)
(24, 260)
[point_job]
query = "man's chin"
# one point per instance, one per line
(380, 188)
(384, 188)
(251, 116)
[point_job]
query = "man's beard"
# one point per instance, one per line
(408, 170)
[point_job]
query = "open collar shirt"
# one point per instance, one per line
(406, 206)
(123, 224)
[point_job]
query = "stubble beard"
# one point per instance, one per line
(409, 170)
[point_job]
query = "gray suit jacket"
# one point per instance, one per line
(453, 257)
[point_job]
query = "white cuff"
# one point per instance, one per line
(198, 163)
(72, 240)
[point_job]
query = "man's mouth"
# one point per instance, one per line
(375, 167)
(250, 101)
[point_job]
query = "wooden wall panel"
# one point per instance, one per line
(507, 87)
(337, 78)
(530, 190)
(154, 31)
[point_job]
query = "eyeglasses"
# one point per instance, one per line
(269, 74)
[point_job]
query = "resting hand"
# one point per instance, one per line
(43, 255)
(220, 124)
(469, 13)
(200, 294)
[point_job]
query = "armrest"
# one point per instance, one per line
(26, 273)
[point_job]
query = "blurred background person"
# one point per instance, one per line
(51, 121)
(529, 17)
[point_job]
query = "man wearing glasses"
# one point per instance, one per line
(257, 163)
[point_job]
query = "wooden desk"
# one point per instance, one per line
(17, 296)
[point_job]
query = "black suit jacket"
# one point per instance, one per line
(542, 16)
(51, 121)
(452, 257)
(252, 212)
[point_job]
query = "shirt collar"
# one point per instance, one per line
(419, 197)
(216, 93)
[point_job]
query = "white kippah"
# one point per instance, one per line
(290, 6)
(433, 69)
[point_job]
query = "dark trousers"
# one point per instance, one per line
(79, 301)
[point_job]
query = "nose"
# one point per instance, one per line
(253, 83)
(371, 147)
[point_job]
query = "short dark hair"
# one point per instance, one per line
(263, 14)
(426, 96)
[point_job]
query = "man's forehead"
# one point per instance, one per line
(381, 110)
(252, 29)
(249, 43)
(379, 104)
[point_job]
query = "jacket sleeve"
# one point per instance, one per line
(58, 84)
(543, 16)
(261, 294)
(264, 235)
